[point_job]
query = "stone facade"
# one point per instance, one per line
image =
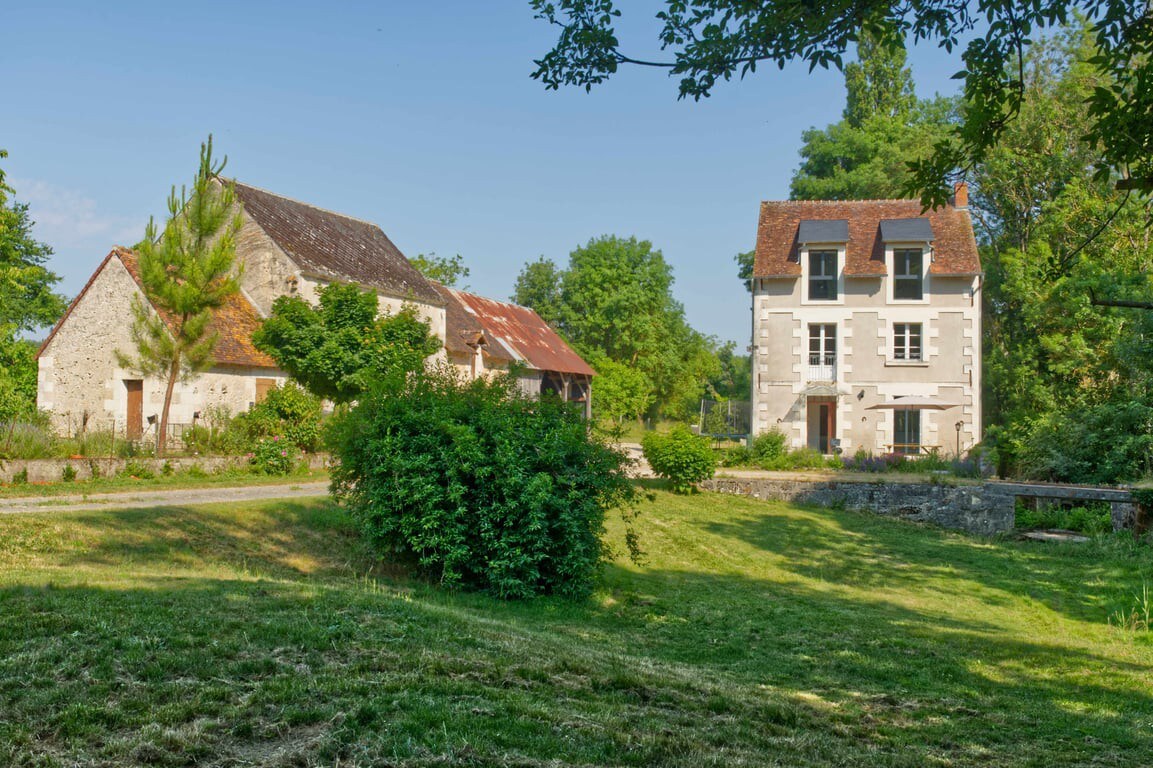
(984, 509)
(81, 384)
(827, 370)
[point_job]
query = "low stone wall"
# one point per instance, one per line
(982, 509)
(52, 470)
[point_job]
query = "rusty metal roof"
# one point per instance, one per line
(513, 333)
(333, 246)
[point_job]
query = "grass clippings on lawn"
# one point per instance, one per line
(755, 634)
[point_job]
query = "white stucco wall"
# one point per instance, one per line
(866, 373)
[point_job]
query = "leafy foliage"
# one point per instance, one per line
(26, 303)
(482, 486)
(274, 455)
(770, 446)
(186, 273)
(289, 411)
(711, 40)
(26, 298)
(17, 376)
(538, 286)
(866, 155)
(681, 457)
(615, 301)
(1067, 381)
(447, 270)
(337, 349)
(622, 391)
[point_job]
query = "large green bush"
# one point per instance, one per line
(483, 487)
(680, 456)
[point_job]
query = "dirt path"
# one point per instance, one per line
(166, 498)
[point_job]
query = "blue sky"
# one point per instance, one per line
(418, 116)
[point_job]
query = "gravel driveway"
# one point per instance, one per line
(167, 498)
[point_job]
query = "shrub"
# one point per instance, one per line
(737, 456)
(680, 456)
(137, 469)
(1092, 520)
(769, 447)
(68, 474)
(483, 487)
(274, 455)
(287, 411)
(803, 458)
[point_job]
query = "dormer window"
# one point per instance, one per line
(822, 275)
(908, 274)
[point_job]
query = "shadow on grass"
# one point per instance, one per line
(276, 539)
(866, 550)
(667, 667)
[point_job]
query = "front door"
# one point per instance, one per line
(135, 415)
(822, 423)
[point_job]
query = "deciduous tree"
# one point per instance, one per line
(27, 302)
(337, 349)
(446, 270)
(712, 40)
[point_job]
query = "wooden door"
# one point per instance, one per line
(135, 415)
(822, 423)
(263, 387)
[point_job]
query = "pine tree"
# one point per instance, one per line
(186, 273)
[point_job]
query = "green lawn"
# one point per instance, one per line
(756, 634)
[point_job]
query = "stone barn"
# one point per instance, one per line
(83, 387)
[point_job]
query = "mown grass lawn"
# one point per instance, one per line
(756, 634)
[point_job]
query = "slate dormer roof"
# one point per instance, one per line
(777, 254)
(511, 333)
(335, 247)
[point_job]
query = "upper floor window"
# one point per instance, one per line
(908, 274)
(822, 275)
(907, 341)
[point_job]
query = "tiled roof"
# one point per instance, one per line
(333, 246)
(234, 322)
(954, 246)
(511, 332)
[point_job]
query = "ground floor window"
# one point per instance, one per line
(907, 431)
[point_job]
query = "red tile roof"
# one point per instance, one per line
(954, 246)
(512, 332)
(234, 322)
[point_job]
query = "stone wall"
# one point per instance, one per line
(982, 509)
(52, 470)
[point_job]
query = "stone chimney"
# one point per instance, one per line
(960, 196)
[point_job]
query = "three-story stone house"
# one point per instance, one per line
(867, 326)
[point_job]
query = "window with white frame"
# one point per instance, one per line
(908, 274)
(822, 275)
(907, 341)
(822, 352)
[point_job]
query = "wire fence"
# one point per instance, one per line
(725, 419)
(92, 438)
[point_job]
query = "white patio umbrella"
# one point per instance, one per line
(914, 403)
